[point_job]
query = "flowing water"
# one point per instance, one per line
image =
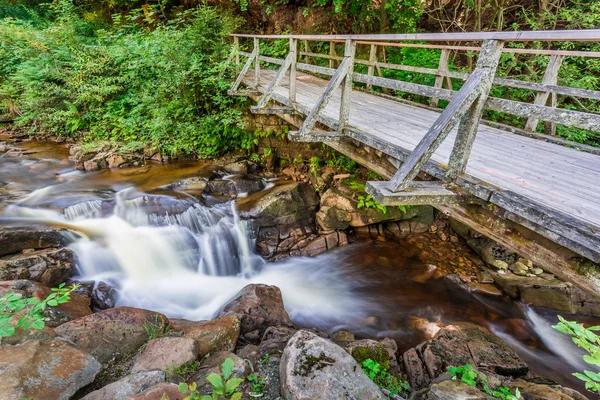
(165, 250)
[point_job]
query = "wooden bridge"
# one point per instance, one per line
(539, 181)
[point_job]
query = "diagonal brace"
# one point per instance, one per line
(243, 72)
(287, 63)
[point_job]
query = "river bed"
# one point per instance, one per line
(167, 251)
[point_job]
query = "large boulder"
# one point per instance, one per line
(49, 266)
(129, 386)
(366, 349)
(534, 391)
(220, 334)
(283, 204)
(15, 240)
(45, 369)
(315, 368)
(166, 353)
(112, 334)
(235, 185)
(454, 390)
(258, 307)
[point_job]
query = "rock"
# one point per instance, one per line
(157, 392)
(467, 343)
(235, 185)
(342, 336)
(220, 334)
(533, 391)
(390, 345)
(104, 296)
(49, 266)
(315, 368)
(283, 204)
(166, 353)
(454, 390)
(249, 352)
(213, 364)
(112, 334)
(519, 268)
(269, 370)
(15, 240)
(364, 349)
(417, 375)
(115, 161)
(129, 386)
(537, 271)
(499, 264)
(258, 306)
(274, 340)
(240, 167)
(45, 369)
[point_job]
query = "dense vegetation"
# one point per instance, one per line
(143, 73)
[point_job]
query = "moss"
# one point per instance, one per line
(311, 363)
(377, 353)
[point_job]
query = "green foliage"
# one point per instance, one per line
(257, 385)
(185, 371)
(222, 386)
(368, 201)
(30, 309)
(155, 329)
(585, 338)
(383, 378)
(142, 79)
(314, 163)
(471, 377)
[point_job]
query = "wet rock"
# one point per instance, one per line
(15, 240)
(248, 352)
(50, 266)
(115, 161)
(315, 368)
(275, 339)
(235, 185)
(342, 336)
(240, 167)
(220, 334)
(499, 264)
(466, 343)
(454, 390)
(168, 352)
(283, 204)
(258, 306)
(129, 386)
(518, 268)
(157, 392)
(415, 369)
(45, 369)
(533, 391)
(213, 364)
(270, 372)
(112, 334)
(104, 296)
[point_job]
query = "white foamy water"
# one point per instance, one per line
(187, 260)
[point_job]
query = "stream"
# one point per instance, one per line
(165, 250)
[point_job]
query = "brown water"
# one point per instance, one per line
(189, 267)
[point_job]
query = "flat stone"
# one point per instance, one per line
(15, 240)
(157, 392)
(166, 353)
(49, 266)
(129, 386)
(454, 390)
(220, 334)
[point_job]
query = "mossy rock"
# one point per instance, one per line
(366, 349)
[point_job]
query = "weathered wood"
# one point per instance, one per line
(438, 131)
(316, 137)
(294, 59)
(256, 62)
(349, 52)
(581, 35)
(550, 78)
(332, 54)
(418, 193)
(271, 110)
(287, 63)
(467, 129)
(306, 50)
(236, 45)
(241, 76)
(372, 61)
(439, 79)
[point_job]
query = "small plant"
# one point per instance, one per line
(184, 371)
(222, 386)
(368, 201)
(264, 360)
(590, 342)
(156, 329)
(268, 152)
(471, 377)
(384, 379)
(314, 164)
(32, 308)
(257, 385)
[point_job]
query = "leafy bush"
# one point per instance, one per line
(223, 387)
(471, 377)
(383, 378)
(585, 338)
(138, 80)
(31, 309)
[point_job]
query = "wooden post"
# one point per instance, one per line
(543, 98)
(294, 57)
(372, 61)
(349, 52)
(488, 60)
(332, 54)
(256, 62)
(439, 79)
(236, 44)
(306, 50)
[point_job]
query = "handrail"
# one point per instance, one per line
(582, 35)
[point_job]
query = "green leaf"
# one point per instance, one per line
(237, 396)
(7, 331)
(39, 325)
(183, 387)
(53, 303)
(227, 368)
(216, 381)
(231, 384)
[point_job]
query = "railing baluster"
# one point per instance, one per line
(306, 50)
(256, 62)
(372, 61)
(546, 98)
(332, 54)
(349, 52)
(294, 56)
(440, 78)
(236, 44)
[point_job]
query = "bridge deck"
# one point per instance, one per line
(562, 183)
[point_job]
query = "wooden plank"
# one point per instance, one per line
(349, 52)
(372, 61)
(439, 79)
(550, 78)
(418, 193)
(271, 110)
(582, 35)
(268, 93)
(294, 60)
(242, 74)
(316, 136)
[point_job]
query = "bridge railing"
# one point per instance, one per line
(465, 106)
